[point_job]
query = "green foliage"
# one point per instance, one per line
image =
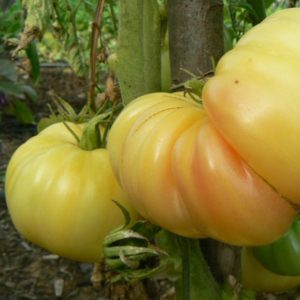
(12, 92)
(64, 28)
(241, 15)
(63, 111)
(11, 22)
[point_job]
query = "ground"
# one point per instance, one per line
(29, 272)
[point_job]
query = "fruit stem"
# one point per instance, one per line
(91, 137)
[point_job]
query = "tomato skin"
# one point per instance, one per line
(181, 174)
(282, 256)
(60, 196)
(256, 107)
(256, 277)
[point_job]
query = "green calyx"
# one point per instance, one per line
(132, 255)
(92, 138)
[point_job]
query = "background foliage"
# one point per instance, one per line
(60, 30)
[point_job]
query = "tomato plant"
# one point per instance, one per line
(282, 256)
(181, 174)
(60, 195)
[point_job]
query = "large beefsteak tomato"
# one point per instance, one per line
(60, 196)
(229, 170)
(180, 173)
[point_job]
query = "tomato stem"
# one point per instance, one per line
(93, 55)
(138, 52)
(91, 137)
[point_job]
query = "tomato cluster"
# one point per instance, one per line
(228, 168)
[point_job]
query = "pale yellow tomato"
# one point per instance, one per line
(254, 101)
(60, 196)
(181, 174)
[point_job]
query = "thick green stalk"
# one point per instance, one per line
(138, 53)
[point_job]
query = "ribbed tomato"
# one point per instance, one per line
(181, 174)
(60, 196)
(230, 169)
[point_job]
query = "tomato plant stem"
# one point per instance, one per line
(93, 54)
(185, 272)
(138, 52)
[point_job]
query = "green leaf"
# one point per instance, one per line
(23, 112)
(268, 3)
(29, 92)
(18, 90)
(258, 12)
(10, 88)
(33, 56)
(8, 70)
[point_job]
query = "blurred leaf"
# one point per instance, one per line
(18, 90)
(8, 70)
(10, 88)
(11, 20)
(23, 112)
(33, 56)
(29, 92)
(268, 3)
(258, 12)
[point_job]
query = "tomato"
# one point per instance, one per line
(254, 101)
(256, 277)
(228, 170)
(60, 196)
(181, 174)
(283, 255)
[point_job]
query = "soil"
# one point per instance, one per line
(29, 272)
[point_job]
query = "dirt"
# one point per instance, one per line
(29, 272)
